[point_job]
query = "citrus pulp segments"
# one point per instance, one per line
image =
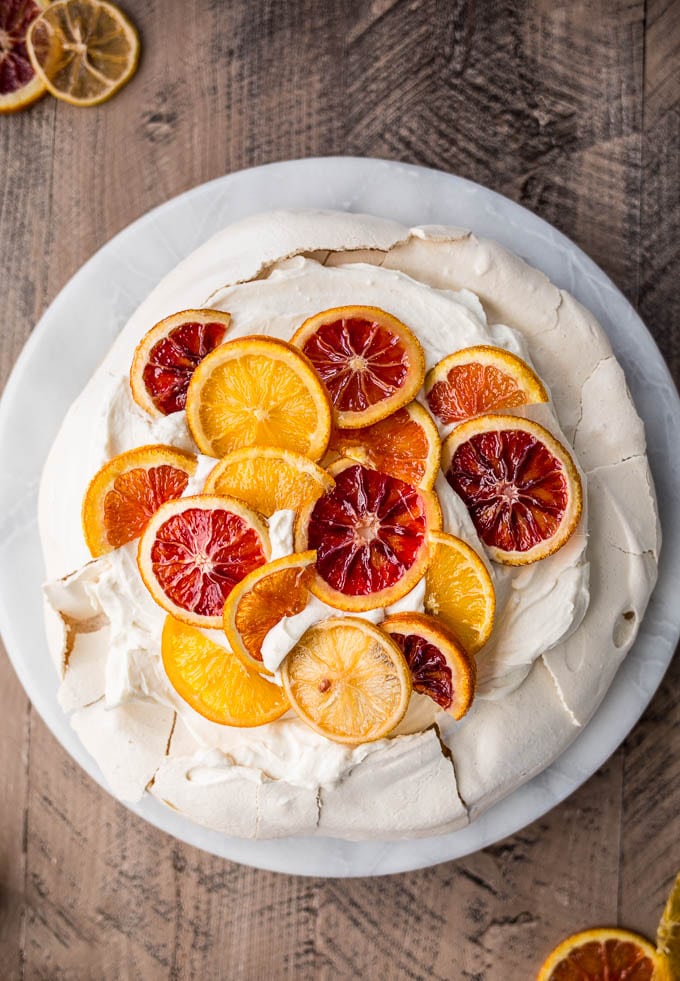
(214, 682)
(195, 550)
(347, 680)
(124, 494)
(440, 667)
(370, 533)
(370, 363)
(167, 355)
(258, 391)
(268, 479)
(541, 498)
(478, 380)
(459, 590)
(605, 954)
(405, 445)
(266, 595)
(20, 86)
(83, 50)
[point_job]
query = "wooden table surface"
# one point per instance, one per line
(571, 108)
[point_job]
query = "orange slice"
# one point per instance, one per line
(440, 668)
(167, 355)
(478, 380)
(370, 363)
(519, 484)
(405, 445)
(261, 600)
(348, 680)
(19, 84)
(268, 479)
(257, 391)
(128, 490)
(370, 533)
(604, 955)
(214, 682)
(83, 50)
(459, 590)
(194, 551)
(668, 933)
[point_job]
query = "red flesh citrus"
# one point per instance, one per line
(19, 84)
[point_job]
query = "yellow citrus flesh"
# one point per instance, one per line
(481, 379)
(214, 682)
(167, 355)
(257, 391)
(668, 933)
(275, 590)
(405, 445)
(125, 493)
(83, 50)
(347, 680)
(22, 85)
(268, 479)
(459, 590)
(603, 955)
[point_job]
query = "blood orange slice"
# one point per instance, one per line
(195, 550)
(128, 490)
(604, 955)
(459, 590)
(19, 84)
(348, 680)
(371, 537)
(405, 445)
(370, 363)
(481, 379)
(261, 600)
(167, 356)
(519, 484)
(440, 668)
(214, 682)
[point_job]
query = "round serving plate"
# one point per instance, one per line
(77, 330)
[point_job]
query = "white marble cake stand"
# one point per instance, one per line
(83, 320)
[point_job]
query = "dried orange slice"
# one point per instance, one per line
(604, 955)
(275, 590)
(370, 363)
(459, 590)
(405, 445)
(348, 680)
(195, 550)
(83, 50)
(128, 490)
(440, 667)
(167, 355)
(257, 391)
(19, 84)
(481, 379)
(214, 682)
(370, 533)
(668, 933)
(268, 479)
(519, 484)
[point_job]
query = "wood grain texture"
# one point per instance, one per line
(570, 108)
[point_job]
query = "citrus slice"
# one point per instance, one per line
(194, 551)
(257, 391)
(405, 445)
(459, 590)
(370, 533)
(440, 668)
(603, 955)
(167, 355)
(668, 933)
(128, 490)
(83, 50)
(268, 479)
(19, 84)
(482, 379)
(370, 363)
(214, 682)
(519, 484)
(275, 590)
(348, 680)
